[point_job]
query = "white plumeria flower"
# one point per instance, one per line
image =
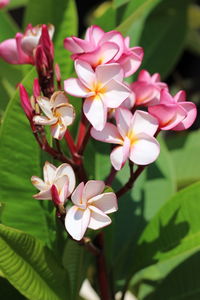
(62, 177)
(134, 134)
(102, 88)
(59, 114)
(90, 209)
(32, 36)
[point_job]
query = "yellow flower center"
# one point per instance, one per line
(132, 137)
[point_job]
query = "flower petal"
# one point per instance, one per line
(77, 195)
(115, 93)
(74, 87)
(67, 113)
(145, 150)
(43, 195)
(62, 184)
(119, 155)
(76, 222)
(85, 73)
(114, 37)
(131, 62)
(58, 98)
(46, 106)
(93, 188)
(49, 172)
(39, 183)
(143, 122)
(123, 120)
(8, 51)
(42, 120)
(98, 219)
(66, 169)
(58, 130)
(106, 202)
(96, 112)
(71, 45)
(105, 73)
(109, 134)
(94, 34)
(29, 43)
(191, 110)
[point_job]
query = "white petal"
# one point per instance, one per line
(62, 184)
(42, 120)
(46, 106)
(58, 130)
(78, 195)
(106, 202)
(119, 155)
(85, 73)
(114, 93)
(58, 98)
(96, 112)
(98, 219)
(66, 169)
(49, 172)
(76, 222)
(123, 120)
(143, 122)
(105, 73)
(145, 150)
(93, 188)
(74, 87)
(67, 113)
(39, 183)
(43, 195)
(109, 134)
(29, 43)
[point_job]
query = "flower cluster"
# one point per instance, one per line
(113, 111)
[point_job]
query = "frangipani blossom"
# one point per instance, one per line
(4, 3)
(20, 50)
(58, 114)
(102, 88)
(101, 47)
(147, 88)
(90, 208)
(134, 135)
(174, 112)
(62, 177)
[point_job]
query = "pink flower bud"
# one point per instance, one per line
(47, 44)
(55, 195)
(4, 3)
(36, 88)
(25, 102)
(41, 61)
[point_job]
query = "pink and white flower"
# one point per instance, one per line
(58, 114)
(101, 47)
(20, 50)
(147, 88)
(102, 88)
(90, 209)
(63, 178)
(174, 112)
(134, 135)
(4, 3)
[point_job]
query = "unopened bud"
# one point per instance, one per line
(25, 102)
(36, 88)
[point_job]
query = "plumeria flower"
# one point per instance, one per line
(63, 178)
(20, 50)
(58, 114)
(4, 3)
(147, 88)
(134, 135)
(174, 112)
(102, 88)
(101, 47)
(90, 209)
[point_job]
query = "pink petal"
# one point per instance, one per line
(94, 34)
(101, 55)
(98, 219)
(74, 87)
(145, 93)
(66, 169)
(156, 78)
(39, 183)
(120, 154)
(42, 120)
(83, 44)
(49, 172)
(29, 43)
(109, 134)
(76, 222)
(93, 188)
(85, 73)
(123, 120)
(105, 73)
(115, 93)
(114, 37)
(8, 51)
(106, 202)
(96, 112)
(131, 62)
(145, 150)
(191, 110)
(180, 96)
(143, 122)
(62, 184)
(166, 98)
(144, 76)
(71, 45)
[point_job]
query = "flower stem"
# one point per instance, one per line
(111, 176)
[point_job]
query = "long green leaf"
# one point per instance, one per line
(172, 236)
(7, 26)
(30, 266)
(19, 160)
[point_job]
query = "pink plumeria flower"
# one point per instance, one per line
(63, 178)
(134, 135)
(174, 112)
(101, 47)
(20, 50)
(147, 88)
(90, 209)
(4, 3)
(58, 114)
(102, 88)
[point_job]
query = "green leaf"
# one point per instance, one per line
(19, 160)
(184, 148)
(172, 236)
(30, 266)
(76, 261)
(16, 4)
(8, 27)
(118, 3)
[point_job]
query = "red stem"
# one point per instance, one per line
(84, 140)
(111, 176)
(82, 130)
